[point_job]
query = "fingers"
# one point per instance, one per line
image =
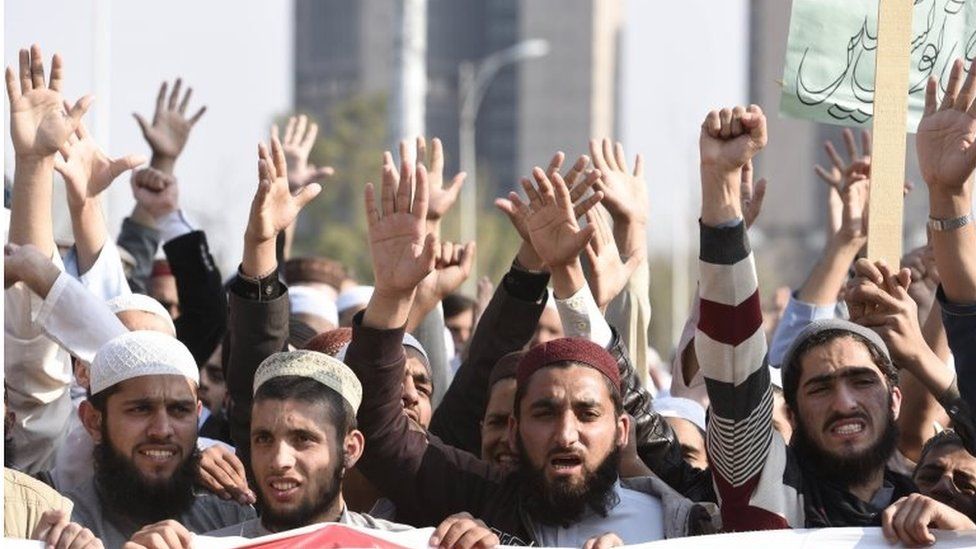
(746, 180)
(196, 117)
(121, 165)
(26, 84)
(725, 116)
(621, 158)
(290, 129)
(307, 194)
(864, 267)
(37, 67)
(755, 121)
(175, 95)
(436, 157)
(639, 166)
(712, 125)
(300, 128)
(573, 175)
(968, 92)
(556, 163)
(309, 140)
(545, 186)
(952, 87)
(278, 157)
(80, 108)
(596, 151)
(593, 178)
(160, 101)
(186, 101)
(535, 199)
(13, 90)
(608, 155)
(866, 142)
(421, 195)
(388, 190)
(835, 158)
(930, 98)
(405, 185)
(849, 144)
(56, 73)
(319, 174)
(736, 123)
(143, 125)
(372, 214)
(561, 192)
(585, 206)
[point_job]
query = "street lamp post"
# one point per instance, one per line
(473, 81)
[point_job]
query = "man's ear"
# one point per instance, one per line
(623, 430)
(352, 445)
(896, 401)
(91, 419)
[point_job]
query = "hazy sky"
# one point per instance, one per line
(679, 60)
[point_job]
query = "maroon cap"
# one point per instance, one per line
(330, 342)
(567, 349)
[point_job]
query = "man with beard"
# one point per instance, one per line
(839, 383)
(568, 420)
(142, 414)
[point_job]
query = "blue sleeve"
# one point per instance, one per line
(797, 316)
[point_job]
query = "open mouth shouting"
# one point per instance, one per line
(283, 489)
(848, 429)
(566, 464)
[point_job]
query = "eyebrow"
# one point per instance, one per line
(421, 378)
(848, 372)
(151, 400)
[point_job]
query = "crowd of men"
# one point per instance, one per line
(149, 401)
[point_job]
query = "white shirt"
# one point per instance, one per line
(637, 518)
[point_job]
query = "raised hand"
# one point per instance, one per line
(273, 209)
(441, 197)
(878, 298)
(155, 192)
(170, 128)
(87, 171)
(452, 267)
(297, 144)
(624, 191)
(854, 213)
(39, 123)
(946, 138)
(517, 210)
(403, 252)
(551, 220)
(751, 195)
(609, 273)
(840, 168)
(731, 137)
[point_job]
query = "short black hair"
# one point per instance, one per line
(615, 396)
(308, 390)
(940, 440)
(455, 304)
(792, 371)
(99, 400)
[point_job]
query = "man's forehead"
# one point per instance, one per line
(286, 415)
(836, 358)
(567, 382)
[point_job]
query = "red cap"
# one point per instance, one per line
(567, 349)
(331, 341)
(160, 267)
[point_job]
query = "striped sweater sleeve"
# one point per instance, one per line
(747, 460)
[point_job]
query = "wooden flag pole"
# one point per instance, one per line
(889, 125)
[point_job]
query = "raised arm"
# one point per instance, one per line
(743, 452)
(170, 128)
(946, 146)
(258, 324)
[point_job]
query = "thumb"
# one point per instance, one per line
(322, 173)
(429, 255)
(126, 163)
(80, 108)
(506, 206)
(307, 194)
(467, 260)
(584, 235)
(457, 183)
(61, 167)
(143, 125)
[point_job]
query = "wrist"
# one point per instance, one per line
(720, 197)
(142, 216)
(567, 279)
(946, 205)
(163, 163)
(528, 259)
(388, 308)
(259, 259)
(845, 245)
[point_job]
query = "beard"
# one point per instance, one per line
(562, 503)
(124, 489)
(847, 470)
(309, 510)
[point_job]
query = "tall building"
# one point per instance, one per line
(345, 47)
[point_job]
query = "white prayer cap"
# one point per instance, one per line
(144, 303)
(357, 295)
(683, 408)
(312, 301)
(314, 365)
(141, 353)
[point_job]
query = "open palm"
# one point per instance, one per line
(170, 127)
(87, 171)
(945, 140)
(402, 251)
(39, 124)
(551, 222)
(274, 207)
(625, 192)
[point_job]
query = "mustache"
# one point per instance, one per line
(835, 417)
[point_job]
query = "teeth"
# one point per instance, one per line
(849, 429)
(160, 454)
(283, 486)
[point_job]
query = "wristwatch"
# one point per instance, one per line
(950, 224)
